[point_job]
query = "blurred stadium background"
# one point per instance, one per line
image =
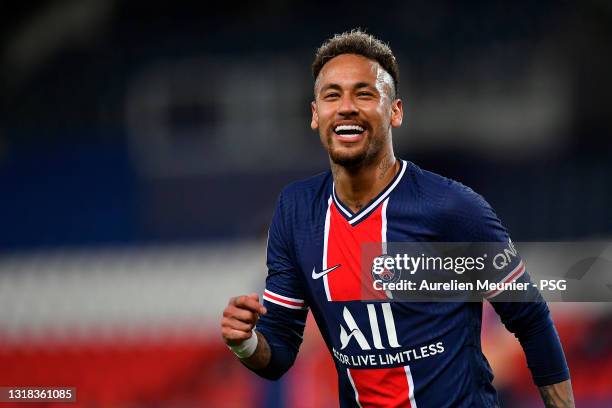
(143, 144)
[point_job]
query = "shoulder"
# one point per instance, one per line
(306, 190)
(445, 193)
(465, 214)
(301, 201)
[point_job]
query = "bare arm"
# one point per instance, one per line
(558, 395)
(261, 357)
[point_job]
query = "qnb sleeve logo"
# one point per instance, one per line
(506, 257)
(355, 333)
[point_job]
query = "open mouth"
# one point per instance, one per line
(349, 132)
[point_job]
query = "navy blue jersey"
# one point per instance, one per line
(389, 353)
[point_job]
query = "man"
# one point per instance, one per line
(387, 353)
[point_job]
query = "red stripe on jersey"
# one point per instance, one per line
(283, 299)
(511, 277)
(350, 282)
(382, 387)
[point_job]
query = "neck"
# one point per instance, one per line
(356, 187)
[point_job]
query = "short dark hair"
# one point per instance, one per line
(360, 43)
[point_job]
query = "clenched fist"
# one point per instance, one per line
(239, 318)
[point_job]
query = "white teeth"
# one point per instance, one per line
(348, 127)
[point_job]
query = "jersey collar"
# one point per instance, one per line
(355, 218)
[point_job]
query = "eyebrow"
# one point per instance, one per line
(337, 87)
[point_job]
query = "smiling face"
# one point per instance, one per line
(354, 110)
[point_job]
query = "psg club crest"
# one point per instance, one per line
(383, 271)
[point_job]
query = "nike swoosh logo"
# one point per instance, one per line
(316, 275)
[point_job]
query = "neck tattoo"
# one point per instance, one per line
(384, 166)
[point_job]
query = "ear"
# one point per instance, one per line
(314, 122)
(397, 113)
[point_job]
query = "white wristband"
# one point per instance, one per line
(246, 348)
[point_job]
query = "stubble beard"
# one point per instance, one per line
(356, 160)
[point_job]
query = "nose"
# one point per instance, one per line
(347, 106)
